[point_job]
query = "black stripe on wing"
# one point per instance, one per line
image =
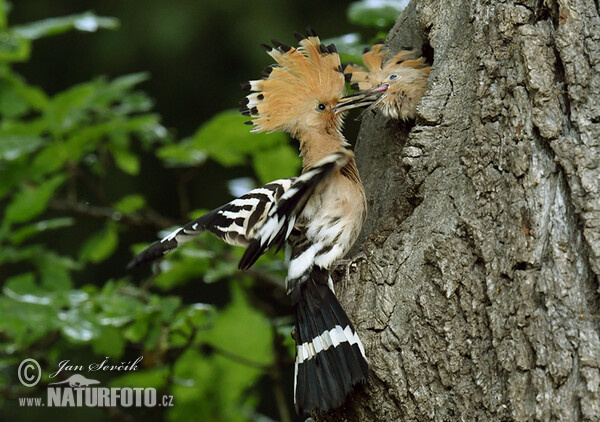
(282, 217)
(235, 222)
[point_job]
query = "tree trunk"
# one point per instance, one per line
(476, 286)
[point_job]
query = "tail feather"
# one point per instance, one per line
(330, 358)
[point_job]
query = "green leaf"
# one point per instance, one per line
(23, 288)
(126, 161)
(11, 103)
(227, 140)
(182, 155)
(51, 158)
(78, 325)
(130, 204)
(31, 230)
(377, 13)
(241, 324)
(87, 22)
(66, 108)
(149, 378)
(109, 342)
(55, 270)
(17, 98)
(100, 245)
(16, 146)
(14, 48)
(31, 201)
(276, 163)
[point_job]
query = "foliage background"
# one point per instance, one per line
(109, 139)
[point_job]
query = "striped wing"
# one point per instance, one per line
(282, 216)
(236, 222)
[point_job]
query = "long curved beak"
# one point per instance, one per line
(360, 98)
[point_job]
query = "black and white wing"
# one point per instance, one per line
(282, 216)
(236, 222)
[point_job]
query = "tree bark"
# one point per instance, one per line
(475, 287)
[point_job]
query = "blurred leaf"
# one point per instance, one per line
(66, 108)
(377, 13)
(109, 342)
(228, 141)
(100, 245)
(55, 271)
(241, 324)
(31, 201)
(87, 22)
(14, 48)
(219, 386)
(31, 230)
(137, 331)
(23, 288)
(276, 163)
(115, 90)
(51, 158)
(181, 154)
(15, 146)
(11, 103)
(78, 325)
(149, 378)
(126, 160)
(130, 204)
(24, 323)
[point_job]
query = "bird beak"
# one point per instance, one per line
(360, 98)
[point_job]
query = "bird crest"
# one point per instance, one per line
(307, 80)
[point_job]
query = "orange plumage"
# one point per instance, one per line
(405, 74)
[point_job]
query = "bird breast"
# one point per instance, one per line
(333, 218)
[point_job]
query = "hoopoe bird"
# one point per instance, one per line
(405, 74)
(317, 215)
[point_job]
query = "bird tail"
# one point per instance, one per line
(330, 358)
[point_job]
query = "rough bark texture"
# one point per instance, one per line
(476, 286)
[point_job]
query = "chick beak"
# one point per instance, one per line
(360, 98)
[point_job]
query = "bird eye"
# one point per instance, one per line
(392, 77)
(321, 107)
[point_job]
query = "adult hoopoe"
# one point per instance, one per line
(318, 215)
(405, 74)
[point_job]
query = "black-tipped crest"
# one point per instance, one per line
(299, 36)
(267, 71)
(245, 86)
(244, 101)
(348, 77)
(354, 86)
(266, 47)
(249, 123)
(366, 50)
(245, 111)
(281, 46)
(331, 47)
(311, 32)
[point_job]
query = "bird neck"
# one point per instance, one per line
(315, 146)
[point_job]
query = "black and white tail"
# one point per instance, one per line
(330, 358)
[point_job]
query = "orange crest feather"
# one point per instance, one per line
(302, 78)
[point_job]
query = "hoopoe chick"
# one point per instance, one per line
(405, 74)
(317, 215)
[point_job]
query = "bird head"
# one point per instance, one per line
(303, 92)
(405, 75)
